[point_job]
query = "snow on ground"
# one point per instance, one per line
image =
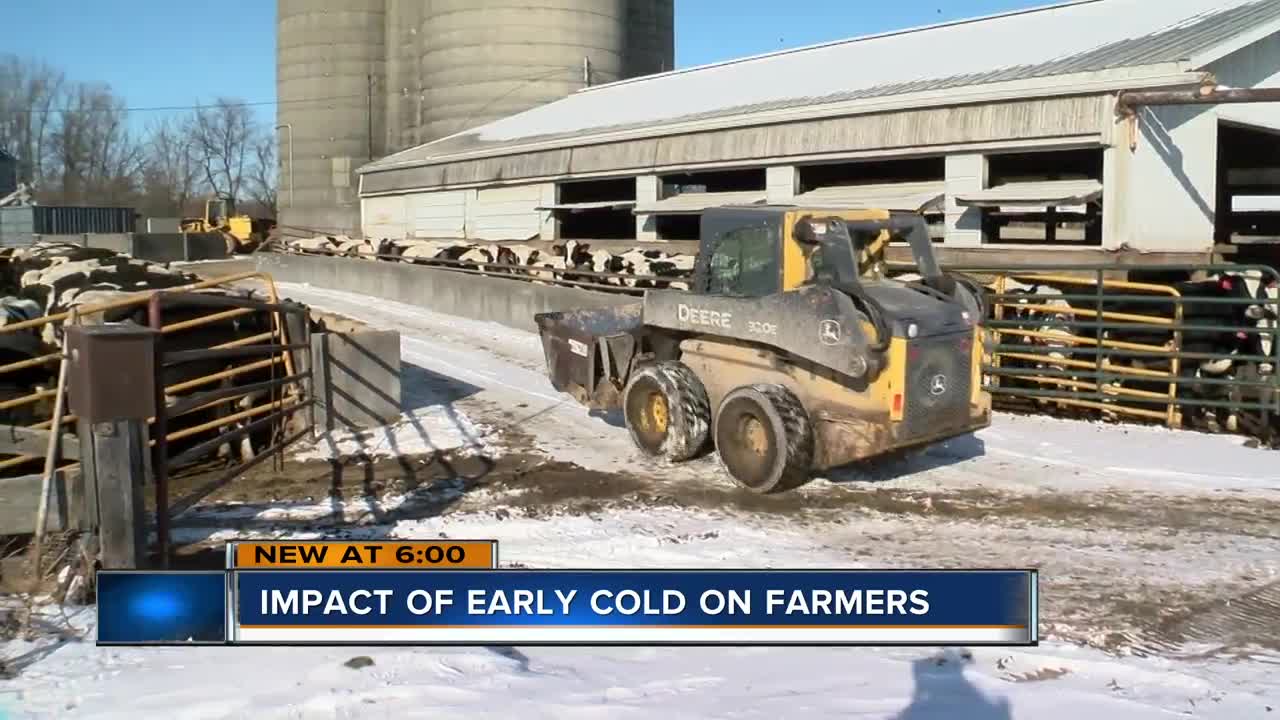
(418, 432)
(1146, 539)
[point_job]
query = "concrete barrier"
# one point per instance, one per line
(508, 302)
(204, 246)
(356, 377)
(158, 247)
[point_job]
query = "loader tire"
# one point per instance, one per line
(667, 412)
(764, 438)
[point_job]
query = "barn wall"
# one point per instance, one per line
(1023, 120)
(1257, 65)
(504, 213)
(1162, 197)
(384, 217)
(437, 214)
(1164, 191)
(497, 213)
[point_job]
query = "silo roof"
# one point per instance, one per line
(1070, 48)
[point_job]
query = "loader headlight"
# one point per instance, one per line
(913, 330)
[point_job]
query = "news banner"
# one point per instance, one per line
(452, 592)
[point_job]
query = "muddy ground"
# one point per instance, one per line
(1080, 541)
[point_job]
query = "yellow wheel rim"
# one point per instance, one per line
(656, 413)
(754, 437)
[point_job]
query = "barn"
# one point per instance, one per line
(1076, 132)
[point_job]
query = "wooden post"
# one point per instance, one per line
(112, 389)
(118, 470)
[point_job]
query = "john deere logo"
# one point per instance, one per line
(938, 385)
(829, 332)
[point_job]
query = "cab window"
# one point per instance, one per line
(745, 262)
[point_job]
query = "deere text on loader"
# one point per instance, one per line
(790, 353)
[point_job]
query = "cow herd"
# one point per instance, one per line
(571, 262)
(1053, 342)
(51, 278)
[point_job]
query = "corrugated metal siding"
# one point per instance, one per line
(438, 214)
(887, 196)
(1034, 194)
(1090, 36)
(384, 217)
(56, 220)
(1029, 119)
(508, 213)
(692, 203)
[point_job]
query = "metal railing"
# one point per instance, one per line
(145, 303)
(1096, 346)
(1138, 350)
(622, 283)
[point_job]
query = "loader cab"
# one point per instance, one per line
(755, 251)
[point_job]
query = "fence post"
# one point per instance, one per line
(112, 389)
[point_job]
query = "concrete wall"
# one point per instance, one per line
(356, 377)
(508, 302)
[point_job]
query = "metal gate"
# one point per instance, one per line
(254, 385)
(261, 385)
(1071, 338)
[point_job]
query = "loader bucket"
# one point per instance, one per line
(570, 339)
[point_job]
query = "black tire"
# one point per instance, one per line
(667, 412)
(764, 438)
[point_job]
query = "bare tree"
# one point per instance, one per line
(173, 174)
(263, 178)
(29, 93)
(224, 135)
(94, 156)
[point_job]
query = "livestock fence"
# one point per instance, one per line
(225, 372)
(1074, 340)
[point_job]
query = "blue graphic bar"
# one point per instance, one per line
(575, 607)
(162, 608)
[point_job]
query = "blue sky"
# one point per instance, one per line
(163, 53)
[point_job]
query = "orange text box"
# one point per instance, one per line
(374, 554)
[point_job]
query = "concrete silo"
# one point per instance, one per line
(437, 67)
(404, 94)
(330, 72)
(486, 59)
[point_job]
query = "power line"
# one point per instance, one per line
(265, 103)
(169, 108)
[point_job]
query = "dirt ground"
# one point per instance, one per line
(1078, 603)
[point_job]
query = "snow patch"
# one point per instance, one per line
(421, 432)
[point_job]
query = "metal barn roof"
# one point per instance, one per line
(1067, 44)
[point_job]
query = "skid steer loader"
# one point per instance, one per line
(790, 353)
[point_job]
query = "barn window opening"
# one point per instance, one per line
(677, 213)
(596, 209)
(1248, 200)
(913, 184)
(1041, 198)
